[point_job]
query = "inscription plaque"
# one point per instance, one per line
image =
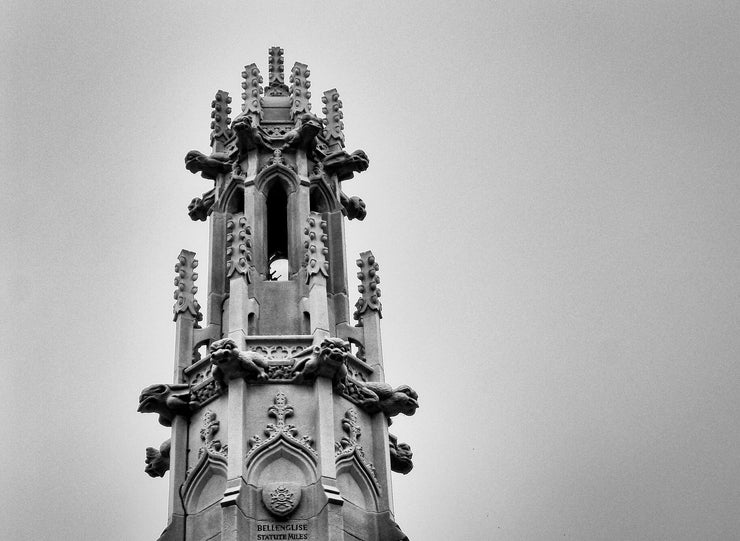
(282, 531)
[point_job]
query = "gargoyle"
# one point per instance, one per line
(248, 136)
(304, 134)
(377, 396)
(208, 166)
(230, 363)
(166, 400)
(401, 456)
(328, 361)
(346, 165)
(158, 460)
(199, 208)
(354, 207)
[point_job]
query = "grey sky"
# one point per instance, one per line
(552, 198)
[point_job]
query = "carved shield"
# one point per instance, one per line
(281, 499)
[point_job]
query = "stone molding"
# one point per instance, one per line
(349, 447)
(280, 431)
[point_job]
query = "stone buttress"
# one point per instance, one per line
(279, 408)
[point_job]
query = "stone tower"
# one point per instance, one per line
(279, 407)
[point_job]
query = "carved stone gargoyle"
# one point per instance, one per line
(230, 363)
(248, 136)
(346, 165)
(158, 460)
(208, 166)
(381, 397)
(200, 207)
(166, 400)
(354, 207)
(328, 360)
(304, 134)
(401, 456)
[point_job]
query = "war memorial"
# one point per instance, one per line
(279, 408)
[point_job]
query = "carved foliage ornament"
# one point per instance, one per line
(238, 247)
(185, 286)
(280, 411)
(368, 288)
(220, 131)
(332, 110)
(211, 445)
(277, 78)
(349, 445)
(316, 247)
(299, 93)
(252, 86)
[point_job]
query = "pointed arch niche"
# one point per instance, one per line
(281, 461)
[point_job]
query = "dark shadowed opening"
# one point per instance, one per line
(277, 233)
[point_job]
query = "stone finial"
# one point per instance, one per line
(299, 93)
(370, 292)
(185, 284)
(220, 130)
(333, 112)
(276, 62)
(316, 246)
(252, 86)
(238, 247)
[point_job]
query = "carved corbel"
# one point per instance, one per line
(368, 288)
(158, 460)
(329, 360)
(186, 288)
(401, 456)
(231, 363)
(316, 247)
(166, 400)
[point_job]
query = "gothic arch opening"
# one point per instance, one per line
(277, 232)
(317, 200)
(235, 203)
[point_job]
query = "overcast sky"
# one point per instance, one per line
(552, 198)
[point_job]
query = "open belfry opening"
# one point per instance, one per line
(279, 408)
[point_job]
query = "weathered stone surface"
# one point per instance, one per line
(279, 409)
